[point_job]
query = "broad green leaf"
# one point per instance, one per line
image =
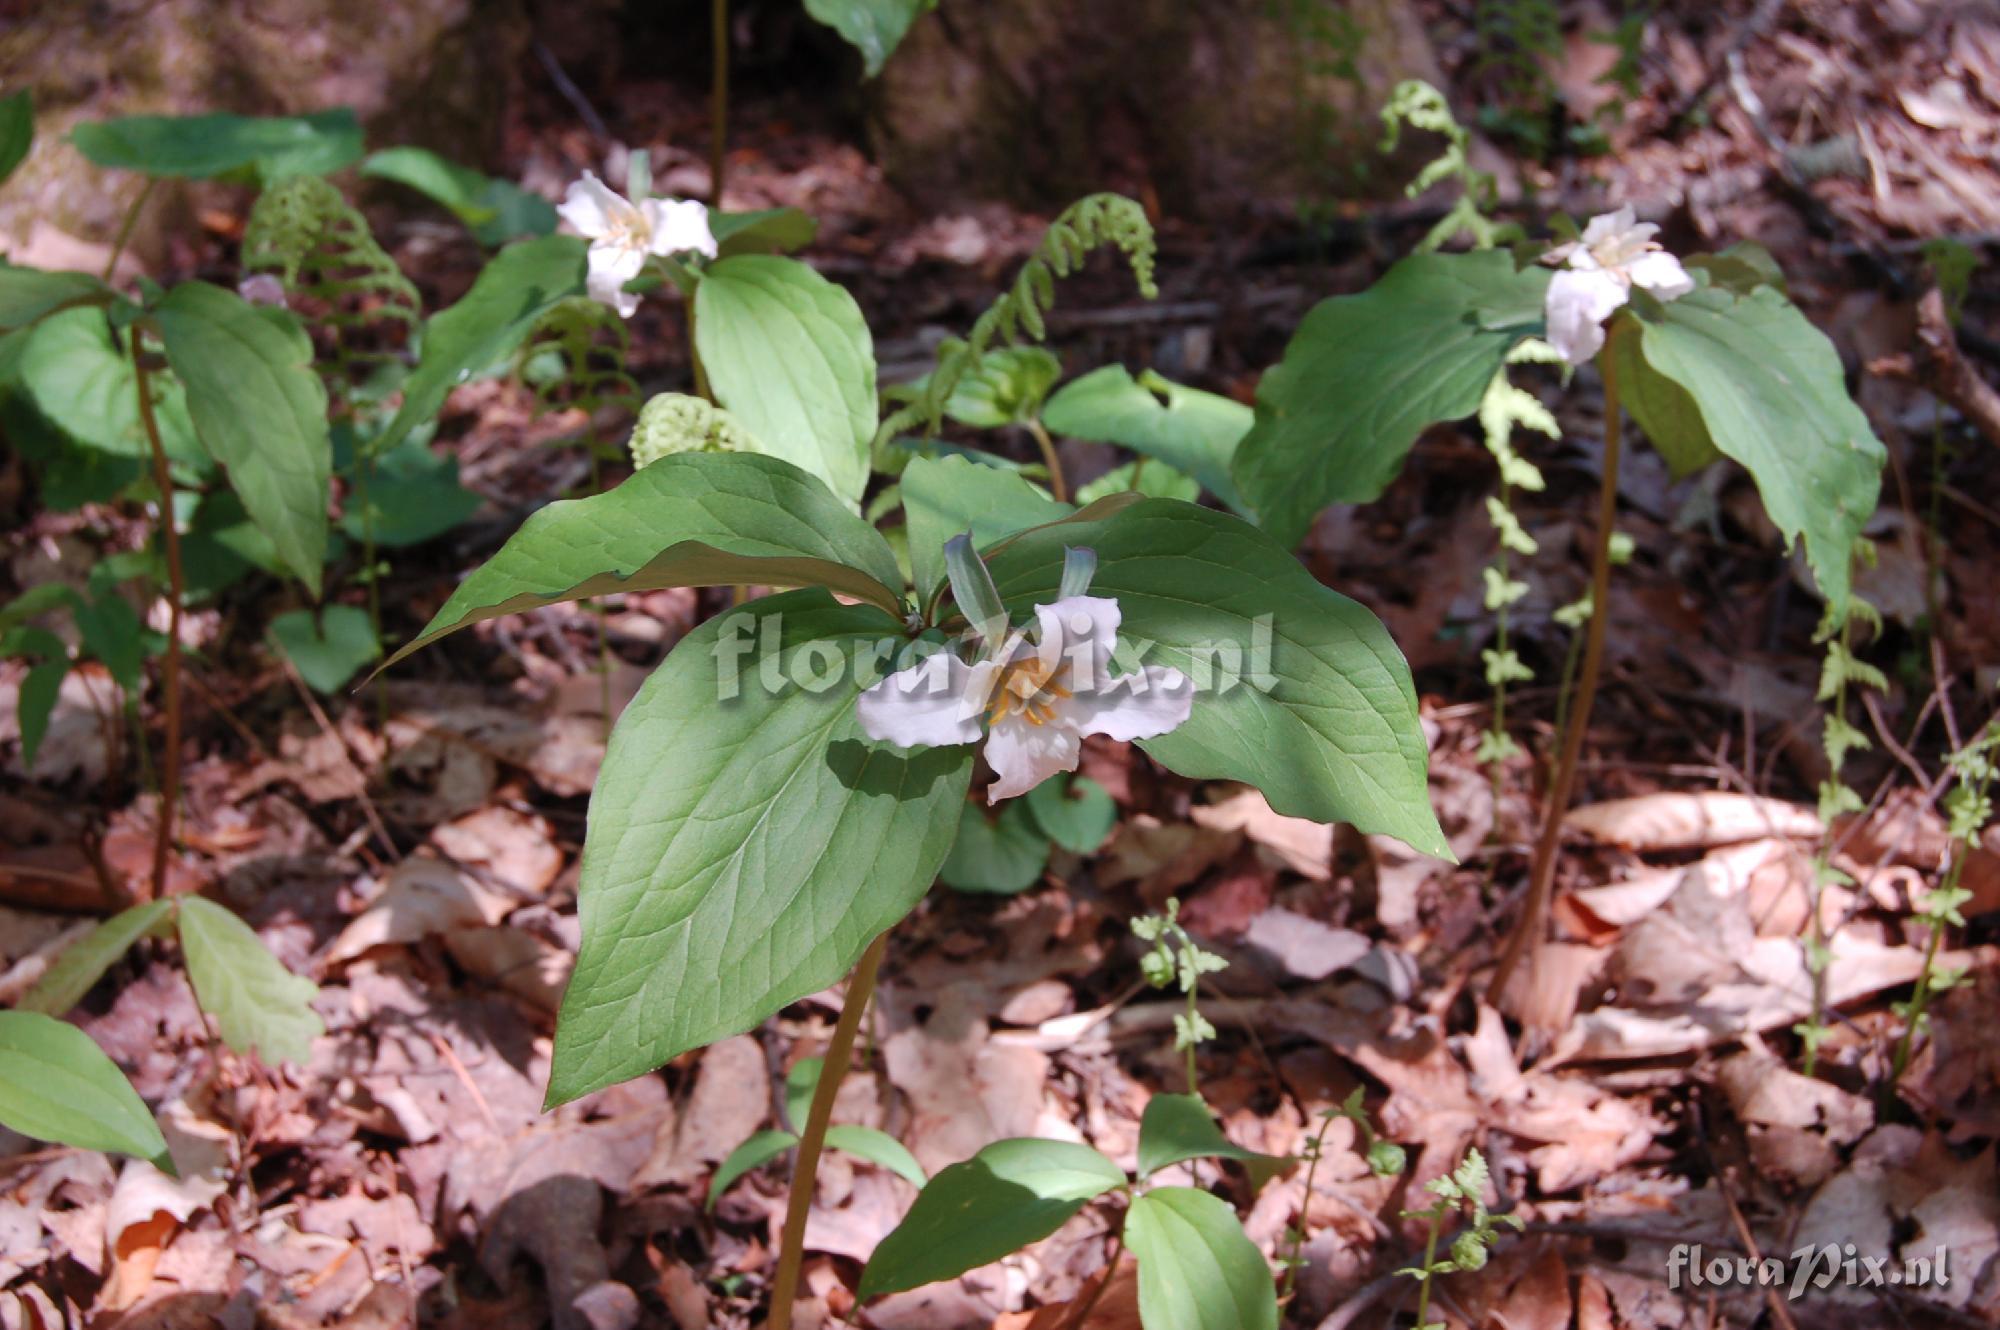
(693, 519)
(754, 1153)
(82, 381)
(17, 130)
(494, 210)
(259, 409)
(998, 852)
(1197, 1268)
(764, 231)
(509, 297)
(1178, 1127)
(1008, 1195)
(235, 147)
(28, 294)
(327, 648)
(41, 687)
(788, 354)
(82, 963)
(800, 1082)
(947, 496)
(112, 632)
(1365, 374)
(1005, 387)
(413, 496)
(1768, 390)
(1155, 480)
(745, 841)
(257, 1003)
(1077, 814)
(1300, 691)
(1192, 431)
(57, 1085)
(879, 1148)
(873, 27)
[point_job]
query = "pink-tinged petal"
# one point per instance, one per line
(679, 226)
(1579, 302)
(1024, 755)
(610, 267)
(590, 206)
(924, 706)
(1134, 706)
(1662, 274)
(1082, 631)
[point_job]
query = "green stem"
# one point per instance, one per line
(1541, 876)
(364, 478)
(1424, 1289)
(1193, 1012)
(1298, 1239)
(792, 1247)
(170, 538)
(718, 100)
(125, 228)
(1920, 998)
(1057, 485)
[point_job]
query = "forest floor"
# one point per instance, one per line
(413, 847)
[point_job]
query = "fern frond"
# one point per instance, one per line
(590, 345)
(306, 234)
(1420, 106)
(1020, 314)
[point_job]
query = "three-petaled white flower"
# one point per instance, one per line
(622, 234)
(1617, 252)
(1038, 698)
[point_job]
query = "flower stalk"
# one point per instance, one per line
(812, 1141)
(170, 539)
(1541, 873)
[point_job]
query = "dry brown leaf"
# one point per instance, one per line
(1670, 821)
(1302, 946)
(421, 898)
(1299, 844)
(731, 1099)
(516, 848)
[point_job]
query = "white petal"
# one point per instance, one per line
(1608, 226)
(1662, 274)
(923, 706)
(1082, 630)
(1023, 755)
(679, 225)
(611, 266)
(1134, 706)
(590, 206)
(1579, 302)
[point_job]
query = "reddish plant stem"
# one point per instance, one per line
(170, 759)
(792, 1247)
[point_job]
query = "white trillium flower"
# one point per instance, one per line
(622, 234)
(1617, 252)
(1037, 698)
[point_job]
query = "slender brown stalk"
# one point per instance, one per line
(1541, 874)
(1076, 1319)
(170, 759)
(718, 101)
(1058, 486)
(792, 1249)
(125, 228)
